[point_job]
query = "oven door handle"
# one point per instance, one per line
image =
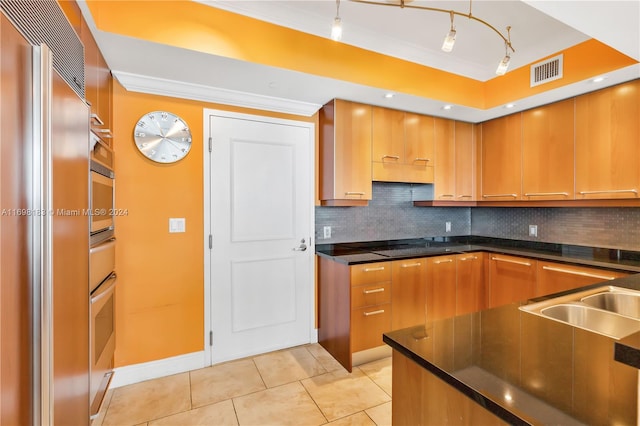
(104, 289)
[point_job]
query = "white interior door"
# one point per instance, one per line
(260, 219)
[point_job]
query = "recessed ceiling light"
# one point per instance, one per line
(447, 107)
(389, 95)
(598, 79)
(509, 106)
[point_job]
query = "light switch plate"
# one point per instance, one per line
(533, 230)
(177, 224)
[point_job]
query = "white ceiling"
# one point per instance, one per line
(539, 29)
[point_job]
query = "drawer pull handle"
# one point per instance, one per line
(437, 262)
(464, 196)
(447, 195)
(96, 118)
(612, 191)
(582, 274)
(375, 290)
(410, 265)
(354, 193)
(380, 311)
(517, 262)
(544, 194)
(422, 159)
(393, 157)
(469, 258)
(381, 268)
(499, 195)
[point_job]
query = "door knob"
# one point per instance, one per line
(301, 247)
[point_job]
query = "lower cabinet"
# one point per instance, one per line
(556, 277)
(441, 287)
(471, 283)
(409, 292)
(511, 279)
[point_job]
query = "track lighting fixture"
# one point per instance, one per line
(504, 63)
(336, 28)
(450, 39)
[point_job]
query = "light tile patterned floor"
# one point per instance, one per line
(297, 386)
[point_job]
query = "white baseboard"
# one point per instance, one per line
(154, 369)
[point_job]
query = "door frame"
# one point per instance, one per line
(207, 113)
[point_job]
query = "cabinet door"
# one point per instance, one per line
(367, 326)
(388, 135)
(445, 151)
(465, 161)
(91, 68)
(502, 158)
(419, 148)
(345, 153)
(548, 152)
(441, 287)
(105, 83)
(511, 279)
(607, 148)
(409, 290)
(471, 291)
(556, 277)
(388, 145)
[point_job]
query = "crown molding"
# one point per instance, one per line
(198, 92)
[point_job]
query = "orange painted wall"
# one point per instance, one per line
(160, 294)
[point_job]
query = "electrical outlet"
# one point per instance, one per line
(447, 227)
(326, 232)
(533, 230)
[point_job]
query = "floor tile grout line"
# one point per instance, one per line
(314, 401)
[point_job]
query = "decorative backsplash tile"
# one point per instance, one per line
(391, 215)
(598, 227)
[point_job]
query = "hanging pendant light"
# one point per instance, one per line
(450, 39)
(336, 28)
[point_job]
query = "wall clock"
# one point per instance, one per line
(162, 137)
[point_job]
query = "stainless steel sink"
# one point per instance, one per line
(592, 319)
(608, 310)
(623, 303)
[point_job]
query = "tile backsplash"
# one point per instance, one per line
(598, 227)
(391, 215)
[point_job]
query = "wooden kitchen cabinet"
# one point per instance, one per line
(511, 279)
(345, 153)
(501, 153)
(456, 157)
(402, 146)
(98, 86)
(555, 277)
(445, 152)
(368, 322)
(607, 148)
(354, 307)
(409, 296)
(548, 152)
(441, 287)
(471, 288)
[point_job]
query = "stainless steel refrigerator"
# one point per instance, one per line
(44, 239)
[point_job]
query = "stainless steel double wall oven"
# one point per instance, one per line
(102, 276)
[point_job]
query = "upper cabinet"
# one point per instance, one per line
(547, 152)
(607, 143)
(455, 152)
(98, 85)
(345, 153)
(502, 158)
(402, 146)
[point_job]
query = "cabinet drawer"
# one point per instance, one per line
(367, 326)
(370, 273)
(372, 294)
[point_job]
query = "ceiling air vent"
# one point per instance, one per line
(546, 71)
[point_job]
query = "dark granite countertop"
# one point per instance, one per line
(380, 251)
(523, 368)
(530, 370)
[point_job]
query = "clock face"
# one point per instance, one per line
(162, 137)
